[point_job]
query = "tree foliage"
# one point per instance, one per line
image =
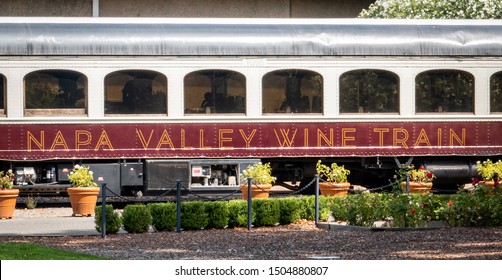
(434, 9)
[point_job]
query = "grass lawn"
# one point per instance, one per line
(30, 251)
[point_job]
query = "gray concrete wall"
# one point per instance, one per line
(187, 8)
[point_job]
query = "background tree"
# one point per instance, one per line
(434, 9)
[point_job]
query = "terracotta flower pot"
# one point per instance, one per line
(417, 187)
(334, 189)
(257, 191)
(8, 199)
(83, 200)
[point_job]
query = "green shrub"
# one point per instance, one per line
(290, 210)
(268, 212)
(193, 215)
(481, 208)
(308, 207)
(217, 212)
(364, 209)
(163, 215)
(238, 213)
(113, 221)
(136, 218)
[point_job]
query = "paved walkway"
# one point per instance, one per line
(47, 222)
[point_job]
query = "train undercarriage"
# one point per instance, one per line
(159, 176)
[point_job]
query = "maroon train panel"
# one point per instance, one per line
(220, 140)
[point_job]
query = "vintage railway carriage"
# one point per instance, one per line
(147, 102)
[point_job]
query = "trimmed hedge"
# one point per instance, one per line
(194, 215)
(136, 218)
(163, 216)
(113, 221)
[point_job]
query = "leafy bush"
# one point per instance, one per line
(268, 212)
(364, 209)
(194, 215)
(308, 207)
(238, 213)
(136, 218)
(482, 208)
(113, 221)
(163, 215)
(217, 212)
(290, 210)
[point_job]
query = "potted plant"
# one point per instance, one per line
(334, 179)
(83, 192)
(8, 195)
(420, 180)
(489, 171)
(261, 180)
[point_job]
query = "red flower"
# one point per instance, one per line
(450, 203)
(475, 181)
(412, 211)
(429, 175)
(422, 167)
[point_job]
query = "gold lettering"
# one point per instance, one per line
(380, 132)
(440, 137)
(305, 137)
(59, 141)
(142, 139)
(222, 138)
(322, 136)
(287, 140)
(400, 141)
(183, 139)
(422, 139)
(165, 139)
(79, 134)
(201, 140)
(454, 136)
(104, 140)
(247, 138)
(32, 139)
(346, 138)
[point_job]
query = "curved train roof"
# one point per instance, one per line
(248, 37)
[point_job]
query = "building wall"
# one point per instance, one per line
(187, 8)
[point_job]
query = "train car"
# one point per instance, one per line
(146, 102)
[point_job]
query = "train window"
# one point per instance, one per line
(3, 90)
(215, 92)
(135, 92)
(496, 93)
(443, 91)
(55, 93)
(369, 91)
(292, 91)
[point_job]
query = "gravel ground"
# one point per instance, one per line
(296, 241)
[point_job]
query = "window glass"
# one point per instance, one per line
(292, 91)
(49, 91)
(444, 91)
(135, 92)
(215, 92)
(496, 93)
(3, 94)
(369, 91)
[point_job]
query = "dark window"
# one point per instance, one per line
(3, 94)
(444, 91)
(55, 92)
(292, 91)
(215, 92)
(369, 91)
(496, 93)
(136, 92)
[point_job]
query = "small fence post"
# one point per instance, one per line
(178, 206)
(103, 209)
(250, 204)
(316, 178)
(407, 183)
